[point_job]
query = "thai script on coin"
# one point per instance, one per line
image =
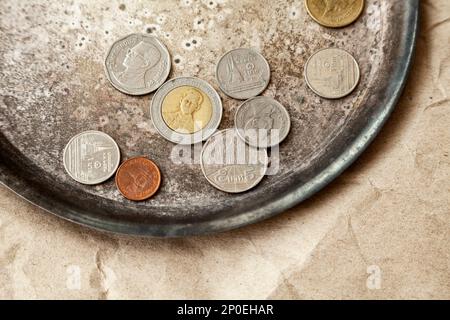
(231, 165)
(335, 13)
(243, 73)
(138, 179)
(186, 110)
(332, 73)
(91, 157)
(138, 64)
(262, 122)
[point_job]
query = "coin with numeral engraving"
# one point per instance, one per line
(91, 157)
(138, 64)
(262, 122)
(332, 73)
(186, 110)
(231, 165)
(243, 73)
(334, 13)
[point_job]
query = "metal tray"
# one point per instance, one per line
(53, 86)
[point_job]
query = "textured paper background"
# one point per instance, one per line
(379, 231)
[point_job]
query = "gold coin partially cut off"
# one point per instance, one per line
(334, 13)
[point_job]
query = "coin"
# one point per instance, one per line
(138, 64)
(242, 73)
(186, 110)
(231, 165)
(262, 122)
(91, 157)
(332, 73)
(138, 179)
(334, 13)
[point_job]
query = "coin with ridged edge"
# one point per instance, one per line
(334, 13)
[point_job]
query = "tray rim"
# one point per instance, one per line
(297, 195)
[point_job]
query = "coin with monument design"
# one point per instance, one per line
(243, 73)
(335, 13)
(231, 165)
(91, 157)
(138, 64)
(332, 73)
(262, 122)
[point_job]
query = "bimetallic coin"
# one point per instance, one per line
(262, 122)
(138, 64)
(335, 13)
(231, 165)
(91, 157)
(332, 73)
(186, 110)
(138, 179)
(243, 73)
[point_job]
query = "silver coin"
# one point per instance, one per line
(186, 110)
(262, 122)
(243, 73)
(332, 73)
(91, 157)
(231, 165)
(138, 64)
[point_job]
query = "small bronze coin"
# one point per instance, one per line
(138, 179)
(335, 13)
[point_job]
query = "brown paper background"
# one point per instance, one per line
(387, 217)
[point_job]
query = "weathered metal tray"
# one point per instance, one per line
(53, 86)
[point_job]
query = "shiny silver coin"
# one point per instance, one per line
(243, 73)
(262, 122)
(138, 64)
(231, 165)
(186, 110)
(332, 73)
(91, 157)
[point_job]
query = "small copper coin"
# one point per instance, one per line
(138, 179)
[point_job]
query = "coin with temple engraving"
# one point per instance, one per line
(243, 73)
(332, 73)
(138, 64)
(91, 157)
(334, 13)
(231, 165)
(262, 122)
(138, 179)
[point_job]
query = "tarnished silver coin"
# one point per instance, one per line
(186, 110)
(231, 165)
(332, 73)
(138, 64)
(262, 122)
(91, 157)
(243, 73)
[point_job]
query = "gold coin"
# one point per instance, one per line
(334, 13)
(187, 110)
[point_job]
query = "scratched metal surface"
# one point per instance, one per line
(53, 86)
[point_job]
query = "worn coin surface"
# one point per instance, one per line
(138, 179)
(335, 13)
(332, 73)
(231, 165)
(138, 64)
(91, 157)
(243, 73)
(262, 122)
(186, 110)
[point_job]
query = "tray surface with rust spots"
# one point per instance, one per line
(53, 86)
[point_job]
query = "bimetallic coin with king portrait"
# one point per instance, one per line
(262, 122)
(332, 73)
(138, 64)
(231, 165)
(243, 73)
(91, 157)
(186, 110)
(334, 13)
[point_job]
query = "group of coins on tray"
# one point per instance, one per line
(188, 110)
